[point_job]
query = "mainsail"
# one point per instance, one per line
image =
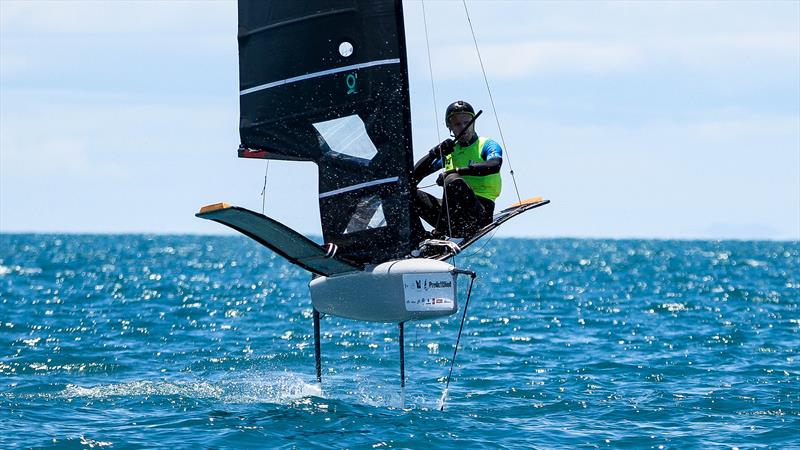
(328, 82)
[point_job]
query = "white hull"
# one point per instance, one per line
(394, 291)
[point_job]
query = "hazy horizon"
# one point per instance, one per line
(318, 238)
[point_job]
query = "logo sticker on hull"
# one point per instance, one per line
(429, 292)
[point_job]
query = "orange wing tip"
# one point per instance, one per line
(526, 202)
(214, 207)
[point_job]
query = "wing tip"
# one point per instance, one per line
(527, 201)
(214, 207)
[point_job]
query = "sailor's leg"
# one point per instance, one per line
(461, 206)
(488, 211)
(427, 207)
(317, 353)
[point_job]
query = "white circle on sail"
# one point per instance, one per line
(345, 49)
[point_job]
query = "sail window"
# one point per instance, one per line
(345, 49)
(347, 136)
(368, 215)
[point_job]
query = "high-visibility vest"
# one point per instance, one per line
(487, 186)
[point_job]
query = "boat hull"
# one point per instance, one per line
(394, 291)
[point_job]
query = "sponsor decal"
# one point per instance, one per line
(429, 292)
(424, 285)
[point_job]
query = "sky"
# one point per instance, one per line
(674, 120)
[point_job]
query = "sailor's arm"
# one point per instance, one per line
(481, 169)
(423, 168)
(492, 155)
(431, 162)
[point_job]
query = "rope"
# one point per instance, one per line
(491, 99)
(447, 210)
(264, 190)
(455, 350)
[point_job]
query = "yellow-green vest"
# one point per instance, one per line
(487, 186)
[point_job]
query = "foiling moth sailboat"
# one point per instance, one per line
(327, 81)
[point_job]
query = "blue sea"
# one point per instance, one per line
(135, 341)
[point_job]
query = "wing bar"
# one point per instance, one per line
(279, 238)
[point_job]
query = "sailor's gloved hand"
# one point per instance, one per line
(443, 175)
(443, 149)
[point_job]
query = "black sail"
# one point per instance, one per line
(327, 81)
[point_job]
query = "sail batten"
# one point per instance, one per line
(358, 186)
(275, 25)
(319, 74)
(327, 81)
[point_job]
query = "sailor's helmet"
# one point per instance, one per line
(457, 107)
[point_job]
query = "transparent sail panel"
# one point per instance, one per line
(347, 136)
(368, 215)
(378, 220)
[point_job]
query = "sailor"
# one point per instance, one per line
(471, 178)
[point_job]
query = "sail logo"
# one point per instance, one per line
(350, 82)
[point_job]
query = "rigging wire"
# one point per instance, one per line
(435, 121)
(430, 69)
(264, 190)
(458, 339)
(491, 99)
(483, 246)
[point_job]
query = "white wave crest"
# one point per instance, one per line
(251, 388)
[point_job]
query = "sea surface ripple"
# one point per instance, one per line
(135, 341)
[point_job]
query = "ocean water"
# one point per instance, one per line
(206, 342)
